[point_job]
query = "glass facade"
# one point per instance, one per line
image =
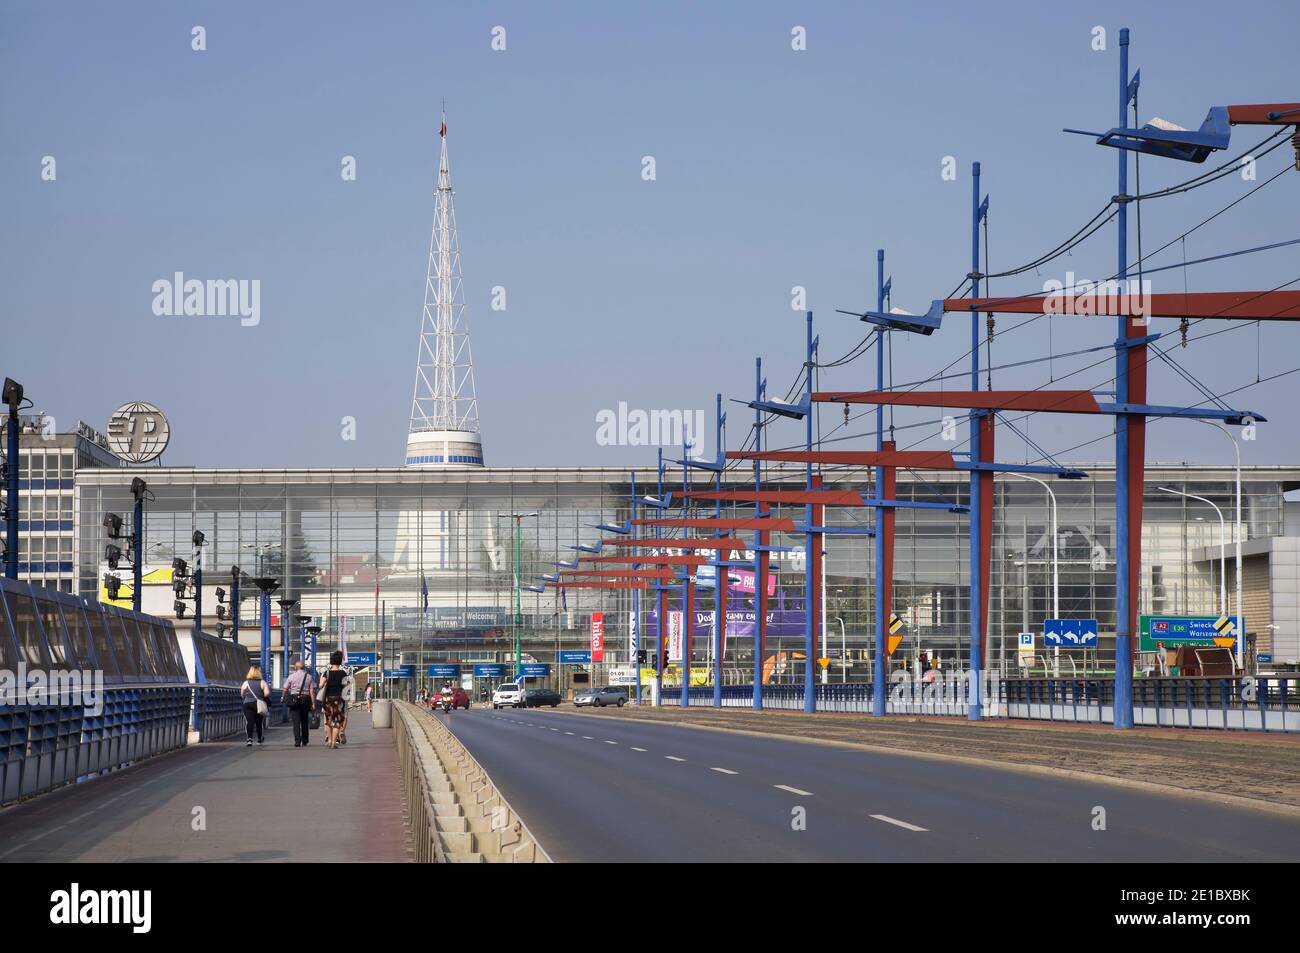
(430, 559)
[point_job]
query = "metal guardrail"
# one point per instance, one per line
(1251, 703)
(43, 747)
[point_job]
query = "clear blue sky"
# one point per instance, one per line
(775, 168)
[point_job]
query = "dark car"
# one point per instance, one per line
(600, 697)
(537, 697)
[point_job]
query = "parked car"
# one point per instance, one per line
(537, 697)
(508, 695)
(458, 696)
(600, 697)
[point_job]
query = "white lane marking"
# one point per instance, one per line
(897, 823)
(588, 738)
(786, 787)
(555, 729)
(638, 749)
(673, 758)
(570, 733)
(724, 771)
(611, 742)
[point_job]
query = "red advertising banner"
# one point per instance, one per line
(598, 636)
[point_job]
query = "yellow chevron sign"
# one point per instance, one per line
(895, 623)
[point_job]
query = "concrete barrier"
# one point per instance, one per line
(457, 814)
(381, 713)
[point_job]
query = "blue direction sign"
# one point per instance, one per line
(444, 670)
(575, 657)
(406, 671)
(489, 670)
(362, 658)
(536, 669)
(1070, 633)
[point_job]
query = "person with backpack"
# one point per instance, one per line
(334, 689)
(254, 694)
(302, 699)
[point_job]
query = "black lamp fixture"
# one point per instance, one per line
(13, 394)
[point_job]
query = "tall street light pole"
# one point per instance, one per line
(518, 617)
(1236, 536)
(1223, 539)
(1056, 575)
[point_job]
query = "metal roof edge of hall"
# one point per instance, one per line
(578, 474)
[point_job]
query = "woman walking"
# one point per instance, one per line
(254, 694)
(334, 686)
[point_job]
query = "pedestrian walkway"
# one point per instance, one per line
(222, 801)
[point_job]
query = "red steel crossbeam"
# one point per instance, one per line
(792, 497)
(775, 524)
(1286, 114)
(657, 560)
(723, 544)
(621, 573)
(1225, 305)
(906, 459)
(594, 584)
(1052, 401)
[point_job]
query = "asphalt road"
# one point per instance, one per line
(593, 788)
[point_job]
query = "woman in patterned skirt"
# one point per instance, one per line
(332, 690)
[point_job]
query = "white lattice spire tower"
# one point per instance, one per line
(444, 429)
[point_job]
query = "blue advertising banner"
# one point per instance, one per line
(575, 657)
(489, 670)
(536, 669)
(444, 670)
(362, 658)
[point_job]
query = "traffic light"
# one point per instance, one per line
(640, 656)
(178, 587)
(197, 538)
(221, 596)
(221, 611)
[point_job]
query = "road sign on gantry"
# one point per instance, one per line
(1070, 633)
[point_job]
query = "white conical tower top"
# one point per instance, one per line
(444, 411)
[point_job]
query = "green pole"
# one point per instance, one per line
(518, 611)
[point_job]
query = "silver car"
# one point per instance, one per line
(600, 697)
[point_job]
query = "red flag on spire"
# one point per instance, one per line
(443, 131)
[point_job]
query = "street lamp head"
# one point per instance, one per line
(13, 394)
(267, 584)
(138, 488)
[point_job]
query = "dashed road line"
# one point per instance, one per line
(786, 787)
(634, 748)
(897, 823)
(673, 758)
(724, 771)
(611, 742)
